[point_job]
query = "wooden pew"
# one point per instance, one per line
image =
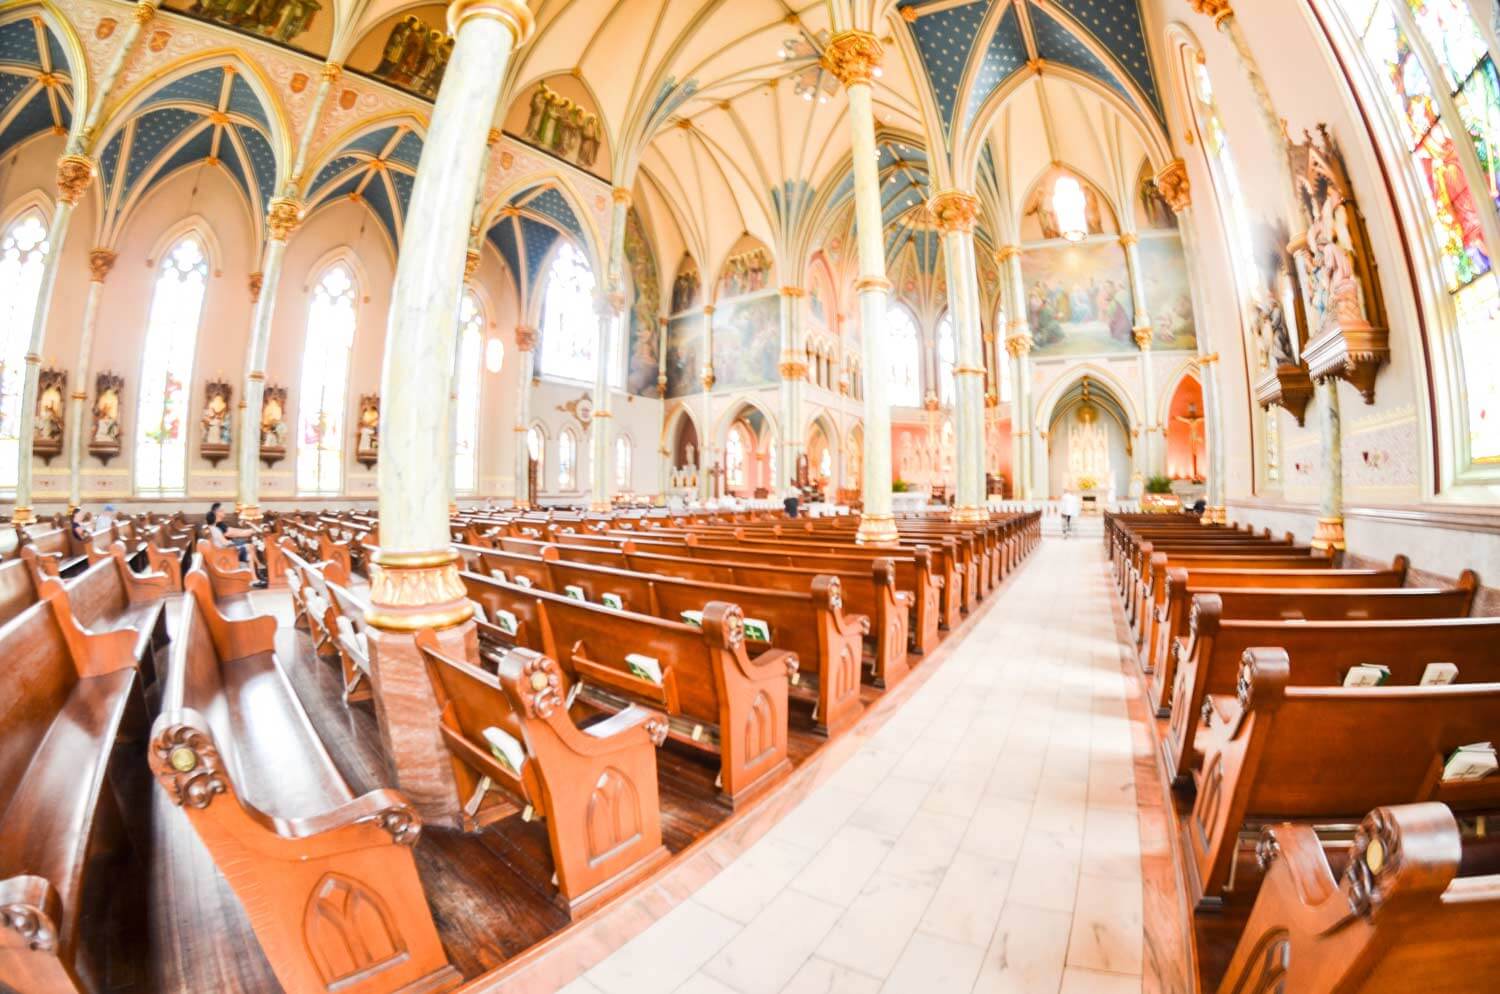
(1323, 651)
(1141, 590)
(353, 641)
(69, 705)
(326, 878)
(827, 643)
(1416, 909)
(109, 596)
(1282, 752)
(1295, 604)
(141, 549)
(19, 587)
(230, 580)
(594, 785)
(717, 699)
(1166, 618)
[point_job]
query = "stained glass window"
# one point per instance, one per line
(23, 252)
(567, 460)
(947, 355)
(570, 325)
(331, 322)
(536, 447)
(1438, 78)
(624, 452)
(466, 431)
(167, 368)
(736, 446)
(904, 356)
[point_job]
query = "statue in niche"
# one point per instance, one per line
(685, 288)
(104, 440)
(47, 429)
(282, 20)
(367, 431)
(1088, 447)
(273, 425)
(214, 427)
(561, 126)
(747, 272)
(415, 56)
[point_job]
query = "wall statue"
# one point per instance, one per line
(104, 438)
(685, 288)
(560, 126)
(415, 56)
(282, 20)
(367, 430)
(47, 430)
(215, 428)
(747, 272)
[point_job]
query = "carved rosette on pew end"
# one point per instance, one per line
(408, 593)
(1348, 336)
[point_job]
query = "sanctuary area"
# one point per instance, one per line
(749, 496)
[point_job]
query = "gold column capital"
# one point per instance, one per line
(492, 136)
(1005, 253)
(1219, 10)
(1129, 239)
(74, 174)
(621, 195)
(412, 591)
(1019, 344)
(1173, 185)
(853, 57)
(1142, 335)
(954, 211)
(872, 283)
(471, 264)
(793, 291)
(1329, 535)
(331, 71)
(101, 261)
(1208, 360)
(514, 14)
(283, 215)
(255, 282)
(144, 12)
(708, 310)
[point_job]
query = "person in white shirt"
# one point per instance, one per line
(1071, 507)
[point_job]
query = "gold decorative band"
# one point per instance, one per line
(793, 291)
(414, 560)
(708, 310)
(79, 395)
(144, 12)
(968, 370)
(1129, 238)
(32, 359)
(1208, 360)
(872, 283)
(620, 195)
(257, 377)
(1005, 252)
(603, 414)
(332, 71)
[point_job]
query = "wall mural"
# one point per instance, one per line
(1164, 273)
(686, 286)
(747, 272)
(415, 56)
(281, 20)
(1078, 299)
(685, 356)
(747, 342)
(560, 125)
(640, 377)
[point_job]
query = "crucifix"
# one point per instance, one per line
(1194, 421)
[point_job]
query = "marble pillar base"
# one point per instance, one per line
(1329, 535)
(876, 529)
(22, 516)
(970, 515)
(407, 711)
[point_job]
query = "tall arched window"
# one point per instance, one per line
(325, 381)
(947, 355)
(536, 447)
(167, 368)
(624, 452)
(567, 460)
(1430, 64)
(904, 374)
(736, 449)
(1005, 375)
(570, 325)
(23, 251)
(466, 431)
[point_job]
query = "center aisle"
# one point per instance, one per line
(986, 839)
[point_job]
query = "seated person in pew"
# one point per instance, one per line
(515, 747)
(1417, 903)
(223, 536)
(1323, 754)
(326, 877)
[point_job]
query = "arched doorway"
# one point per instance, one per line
(1090, 447)
(747, 468)
(1187, 445)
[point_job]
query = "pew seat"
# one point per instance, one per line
(71, 701)
(326, 878)
(109, 596)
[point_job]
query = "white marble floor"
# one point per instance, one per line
(985, 840)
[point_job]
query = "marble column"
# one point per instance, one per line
(793, 371)
(1329, 535)
(706, 446)
(612, 315)
(282, 219)
(956, 213)
(526, 355)
(1154, 433)
(853, 57)
(1018, 342)
(101, 261)
(414, 581)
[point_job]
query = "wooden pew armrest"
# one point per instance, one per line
(378, 818)
(613, 733)
(1294, 850)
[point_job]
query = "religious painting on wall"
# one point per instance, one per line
(1165, 277)
(409, 50)
(745, 272)
(47, 429)
(685, 356)
(686, 287)
(559, 116)
(214, 431)
(1040, 220)
(645, 282)
(747, 342)
(1078, 299)
(280, 20)
(1274, 306)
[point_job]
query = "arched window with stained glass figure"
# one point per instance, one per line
(570, 323)
(331, 321)
(23, 254)
(567, 460)
(467, 385)
(167, 369)
(904, 355)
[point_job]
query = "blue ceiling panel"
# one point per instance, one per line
(1117, 26)
(229, 156)
(552, 204)
(503, 236)
(195, 149)
(200, 88)
(331, 170)
(154, 131)
(109, 159)
(18, 43)
(262, 161)
(1005, 55)
(408, 150)
(35, 116)
(1056, 43)
(243, 101)
(539, 239)
(373, 142)
(380, 202)
(403, 183)
(944, 38)
(56, 55)
(11, 87)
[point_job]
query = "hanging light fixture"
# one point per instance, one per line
(1071, 208)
